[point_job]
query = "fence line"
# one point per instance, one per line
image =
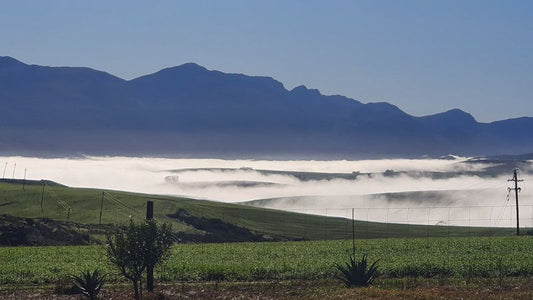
(475, 215)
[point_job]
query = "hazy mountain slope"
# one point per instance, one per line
(189, 110)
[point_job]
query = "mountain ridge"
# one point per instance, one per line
(190, 110)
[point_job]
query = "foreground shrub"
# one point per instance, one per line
(134, 248)
(357, 273)
(89, 284)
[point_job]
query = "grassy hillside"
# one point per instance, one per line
(84, 205)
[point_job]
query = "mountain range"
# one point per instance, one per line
(189, 111)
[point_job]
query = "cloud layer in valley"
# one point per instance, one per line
(243, 180)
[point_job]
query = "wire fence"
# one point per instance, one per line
(487, 216)
(385, 222)
(362, 223)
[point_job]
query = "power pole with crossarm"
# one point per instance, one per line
(516, 191)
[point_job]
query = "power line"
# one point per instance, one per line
(500, 215)
(123, 205)
(63, 204)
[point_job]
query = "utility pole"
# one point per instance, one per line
(42, 199)
(353, 231)
(101, 208)
(24, 181)
(516, 191)
(5, 167)
(150, 268)
(14, 168)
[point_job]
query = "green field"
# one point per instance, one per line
(118, 206)
(425, 257)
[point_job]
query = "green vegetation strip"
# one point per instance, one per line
(427, 257)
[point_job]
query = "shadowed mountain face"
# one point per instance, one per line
(189, 110)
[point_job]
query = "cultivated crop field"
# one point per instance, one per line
(459, 257)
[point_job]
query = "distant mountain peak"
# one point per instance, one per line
(303, 90)
(455, 114)
(458, 112)
(190, 66)
(10, 61)
(174, 73)
(185, 68)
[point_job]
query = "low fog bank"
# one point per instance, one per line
(476, 207)
(376, 197)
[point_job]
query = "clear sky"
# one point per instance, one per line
(423, 56)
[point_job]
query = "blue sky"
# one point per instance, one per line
(423, 56)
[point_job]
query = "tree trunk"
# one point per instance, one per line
(136, 289)
(141, 288)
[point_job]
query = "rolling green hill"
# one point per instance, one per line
(196, 218)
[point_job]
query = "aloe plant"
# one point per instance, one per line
(89, 284)
(357, 273)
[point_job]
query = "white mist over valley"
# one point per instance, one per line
(451, 191)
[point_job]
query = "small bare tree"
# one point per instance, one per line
(137, 246)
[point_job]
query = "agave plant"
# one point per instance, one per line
(357, 273)
(89, 284)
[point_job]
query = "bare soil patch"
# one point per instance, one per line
(518, 288)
